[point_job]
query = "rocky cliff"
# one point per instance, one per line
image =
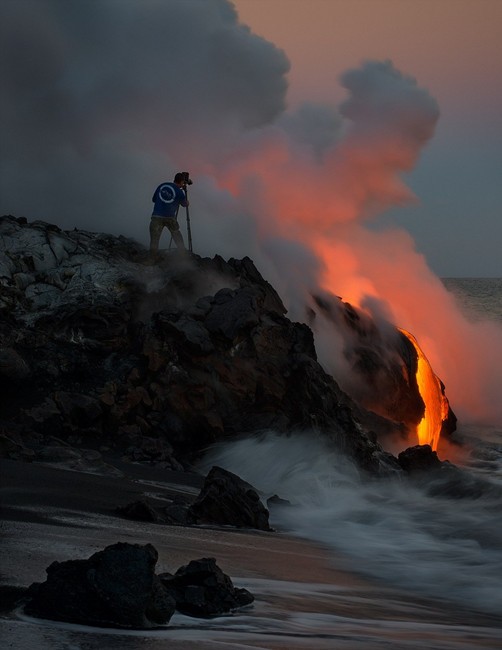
(101, 349)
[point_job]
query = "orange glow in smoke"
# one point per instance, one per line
(340, 273)
(436, 405)
(356, 287)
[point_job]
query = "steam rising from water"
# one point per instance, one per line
(433, 540)
(105, 100)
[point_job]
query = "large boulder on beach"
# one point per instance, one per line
(115, 587)
(201, 589)
(226, 499)
(140, 511)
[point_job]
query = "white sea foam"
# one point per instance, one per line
(434, 545)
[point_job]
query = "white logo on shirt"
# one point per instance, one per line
(167, 193)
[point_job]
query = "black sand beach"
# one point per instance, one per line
(303, 596)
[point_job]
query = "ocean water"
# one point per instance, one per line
(478, 298)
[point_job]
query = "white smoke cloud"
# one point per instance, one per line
(317, 128)
(104, 100)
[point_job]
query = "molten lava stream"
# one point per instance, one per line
(436, 405)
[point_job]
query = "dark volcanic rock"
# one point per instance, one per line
(116, 587)
(276, 500)
(201, 589)
(226, 499)
(140, 511)
(177, 514)
(160, 361)
(384, 362)
(11, 596)
(418, 459)
(442, 478)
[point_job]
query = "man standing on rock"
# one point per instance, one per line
(167, 199)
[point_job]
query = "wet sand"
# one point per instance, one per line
(304, 596)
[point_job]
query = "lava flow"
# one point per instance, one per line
(436, 404)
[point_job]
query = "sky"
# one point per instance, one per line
(346, 146)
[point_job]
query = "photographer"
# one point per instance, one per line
(167, 198)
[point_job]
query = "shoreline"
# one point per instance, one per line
(302, 590)
(48, 497)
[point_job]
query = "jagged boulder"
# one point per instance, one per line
(226, 499)
(115, 587)
(419, 459)
(140, 511)
(201, 589)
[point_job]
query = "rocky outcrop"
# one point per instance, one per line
(442, 478)
(224, 500)
(419, 459)
(139, 511)
(384, 363)
(118, 587)
(227, 500)
(101, 349)
(201, 589)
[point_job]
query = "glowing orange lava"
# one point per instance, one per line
(436, 404)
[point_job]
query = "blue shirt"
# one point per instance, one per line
(167, 199)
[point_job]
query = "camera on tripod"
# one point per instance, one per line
(186, 178)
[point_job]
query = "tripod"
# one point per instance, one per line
(189, 230)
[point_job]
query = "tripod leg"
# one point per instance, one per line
(189, 231)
